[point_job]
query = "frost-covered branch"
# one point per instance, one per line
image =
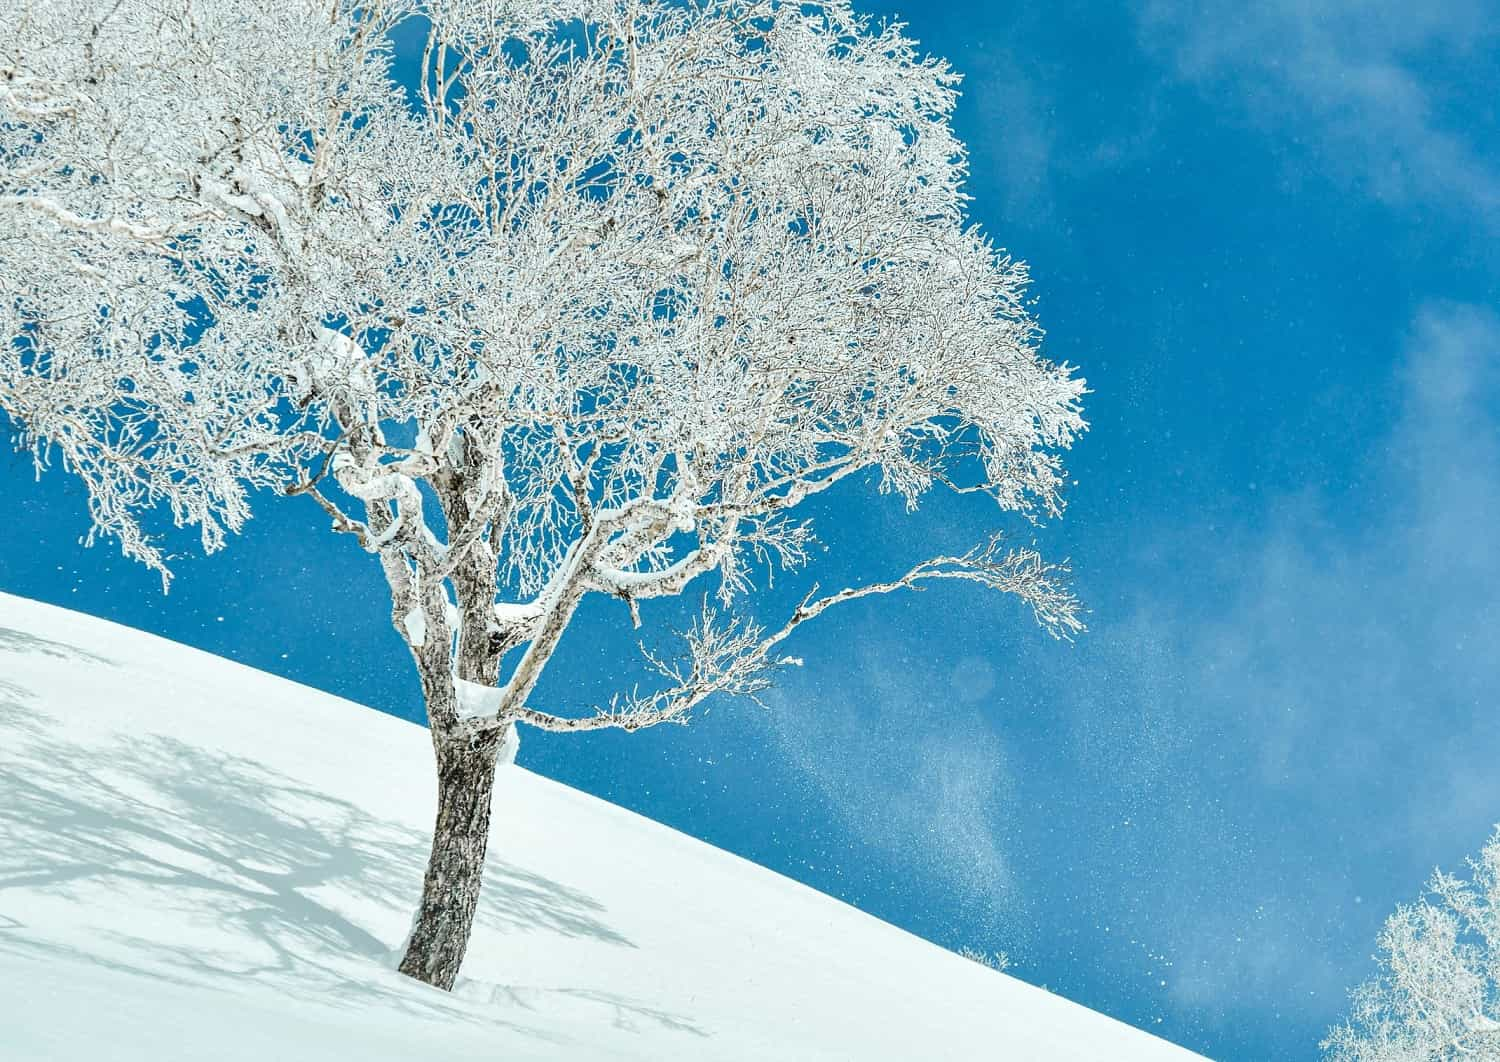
(728, 657)
(113, 226)
(585, 313)
(737, 658)
(1021, 572)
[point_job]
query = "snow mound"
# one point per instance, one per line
(199, 860)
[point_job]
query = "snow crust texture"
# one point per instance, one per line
(198, 860)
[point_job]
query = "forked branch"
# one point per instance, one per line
(737, 657)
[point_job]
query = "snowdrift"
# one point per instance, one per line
(202, 861)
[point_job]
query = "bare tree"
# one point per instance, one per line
(1437, 995)
(588, 306)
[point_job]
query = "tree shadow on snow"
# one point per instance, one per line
(624, 1013)
(14, 641)
(271, 878)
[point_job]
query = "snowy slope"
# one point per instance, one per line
(199, 860)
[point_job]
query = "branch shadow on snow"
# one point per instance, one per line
(14, 641)
(242, 873)
(625, 1013)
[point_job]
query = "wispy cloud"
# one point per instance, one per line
(1016, 132)
(1385, 622)
(1349, 675)
(1374, 91)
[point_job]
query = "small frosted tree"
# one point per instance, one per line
(587, 305)
(1437, 995)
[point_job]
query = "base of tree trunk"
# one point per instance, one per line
(460, 836)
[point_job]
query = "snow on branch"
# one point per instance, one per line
(723, 657)
(115, 226)
(735, 657)
(1021, 572)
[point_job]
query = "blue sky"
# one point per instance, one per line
(1267, 234)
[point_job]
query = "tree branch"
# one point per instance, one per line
(1021, 572)
(152, 234)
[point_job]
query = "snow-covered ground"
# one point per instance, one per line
(202, 861)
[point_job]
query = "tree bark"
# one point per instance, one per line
(450, 891)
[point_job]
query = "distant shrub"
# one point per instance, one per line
(995, 960)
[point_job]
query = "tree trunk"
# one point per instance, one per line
(450, 891)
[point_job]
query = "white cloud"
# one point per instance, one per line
(1370, 85)
(1017, 131)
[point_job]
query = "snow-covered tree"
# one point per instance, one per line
(1437, 995)
(588, 305)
